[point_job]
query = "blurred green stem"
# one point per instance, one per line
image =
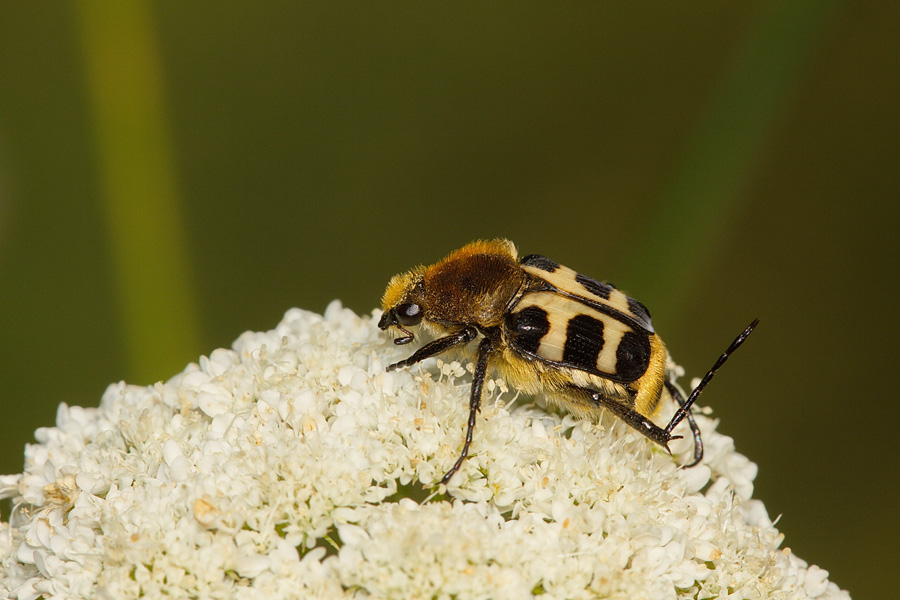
(140, 196)
(697, 212)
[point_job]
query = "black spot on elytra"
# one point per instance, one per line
(601, 290)
(584, 341)
(638, 310)
(540, 262)
(632, 355)
(526, 328)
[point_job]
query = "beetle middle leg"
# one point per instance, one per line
(484, 352)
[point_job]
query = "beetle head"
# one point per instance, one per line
(403, 304)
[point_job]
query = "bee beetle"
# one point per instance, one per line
(545, 328)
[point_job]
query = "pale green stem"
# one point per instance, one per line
(139, 191)
(697, 212)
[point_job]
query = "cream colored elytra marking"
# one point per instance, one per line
(564, 279)
(613, 332)
(560, 310)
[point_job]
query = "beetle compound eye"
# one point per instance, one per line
(409, 314)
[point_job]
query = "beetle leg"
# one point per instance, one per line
(695, 430)
(635, 419)
(484, 352)
(436, 347)
(685, 409)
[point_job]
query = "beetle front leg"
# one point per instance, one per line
(437, 347)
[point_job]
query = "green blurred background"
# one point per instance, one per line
(173, 174)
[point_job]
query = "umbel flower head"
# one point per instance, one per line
(294, 466)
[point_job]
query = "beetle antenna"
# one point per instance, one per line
(406, 338)
(685, 408)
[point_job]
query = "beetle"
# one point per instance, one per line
(545, 328)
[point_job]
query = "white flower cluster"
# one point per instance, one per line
(287, 468)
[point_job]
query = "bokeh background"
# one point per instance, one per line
(172, 174)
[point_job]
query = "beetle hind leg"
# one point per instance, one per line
(695, 430)
(684, 411)
(636, 420)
